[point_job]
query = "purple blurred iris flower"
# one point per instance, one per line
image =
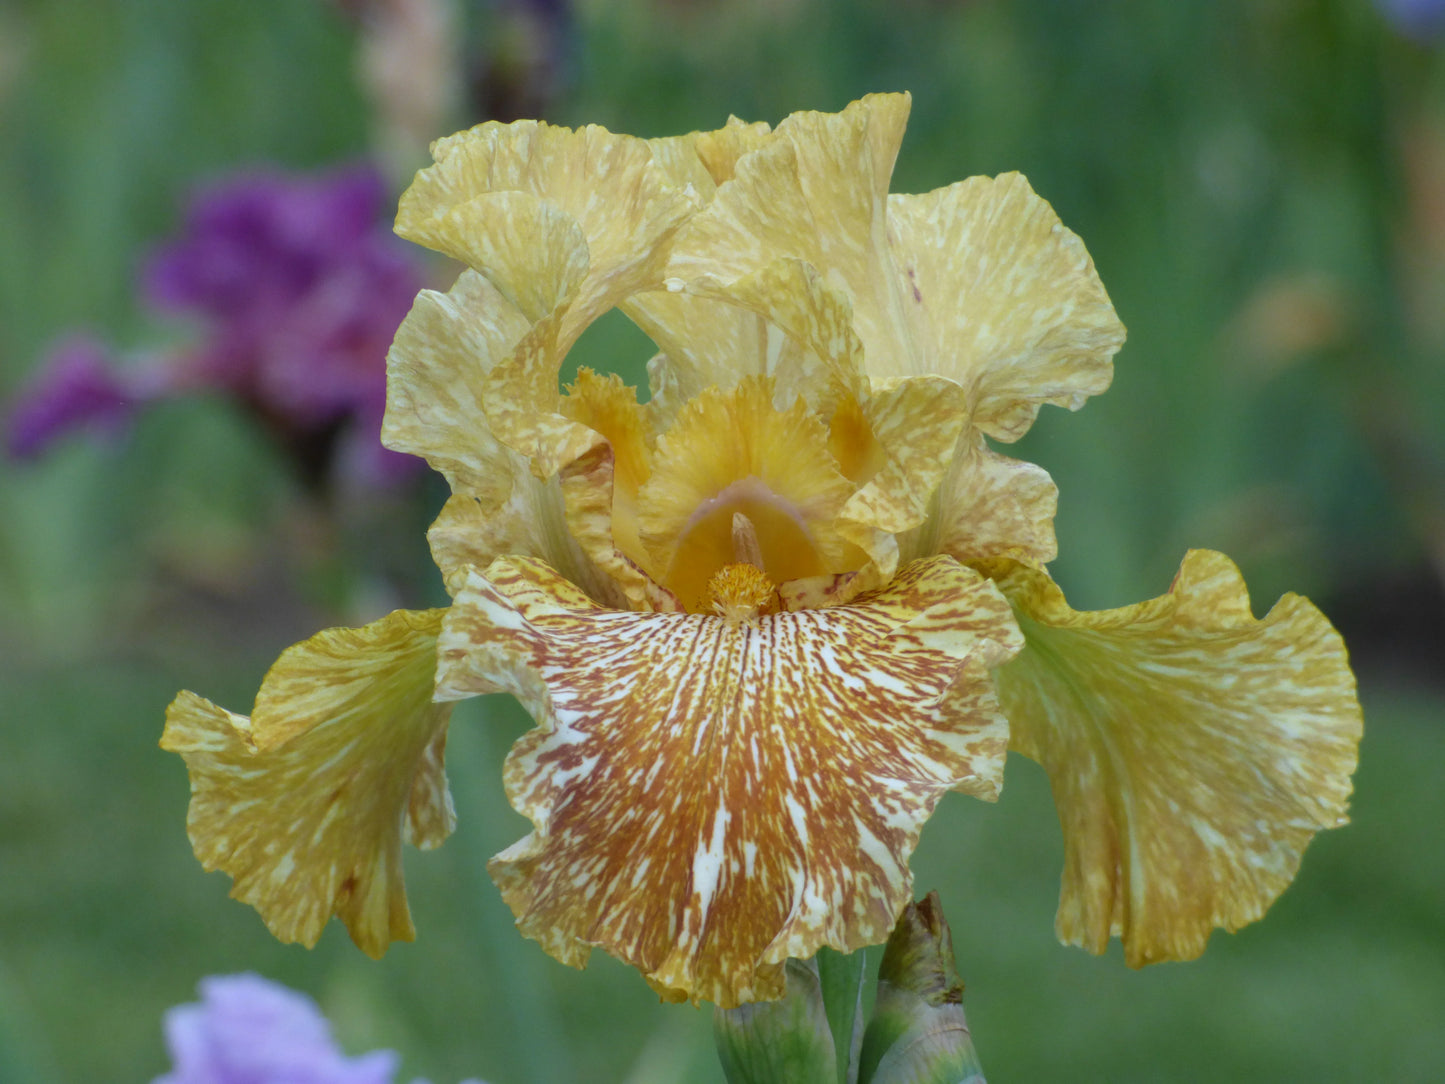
(1419, 19)
(296, 286)
(77, 387)
(249, 1030)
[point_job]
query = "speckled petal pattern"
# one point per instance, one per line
(1194, 751)
(305, 804)
(710, 800)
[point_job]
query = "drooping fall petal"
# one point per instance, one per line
(711, 799)
(1193, 750)
(305, 805)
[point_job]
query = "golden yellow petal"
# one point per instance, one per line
(305, 805)
(607, 184)
(915, 425)
(987, 506)
(816, 191)
(705, 160)
(710, 800)
(1003, 299)
(1193, 750)
(733, 453)
(609, 407)
(435, 370)
(565, 520)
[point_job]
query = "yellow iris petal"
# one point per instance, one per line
(816, 191)
(704, 160)
(565, 224)
(1003, 299)
(621, 207)
(305, 805)
(710, 799)
(1193, 750)
(435, 380)
(987, 506)
(734, 453)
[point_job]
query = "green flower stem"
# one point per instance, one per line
(842, 976)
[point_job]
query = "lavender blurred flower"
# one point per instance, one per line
(249, 1030)
(1418, 19)
(297, 286)
(77, 388)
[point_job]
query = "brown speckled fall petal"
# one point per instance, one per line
(709, 800)
(306, 804)
(1194, 751)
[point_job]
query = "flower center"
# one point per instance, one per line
(740, 593)
(748, 524)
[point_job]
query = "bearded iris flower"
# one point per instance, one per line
(767, 618)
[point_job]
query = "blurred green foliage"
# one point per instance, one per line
(1262, 185)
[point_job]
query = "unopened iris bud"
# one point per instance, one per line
(772, 1042)
(918, 1034)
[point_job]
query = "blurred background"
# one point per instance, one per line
(1262, 186)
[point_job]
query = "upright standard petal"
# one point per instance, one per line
(607, 185)
(1002, 299)
(1193, 750)
(710, 799)
(565, 224)
(434, 382)
(816, 191)
(306, 803)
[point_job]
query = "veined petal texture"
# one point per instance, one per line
(306, 804)
(711, 799)
(1193, 750)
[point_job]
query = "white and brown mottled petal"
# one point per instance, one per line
(710, 798)
(1193, 750)
(306, 804)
